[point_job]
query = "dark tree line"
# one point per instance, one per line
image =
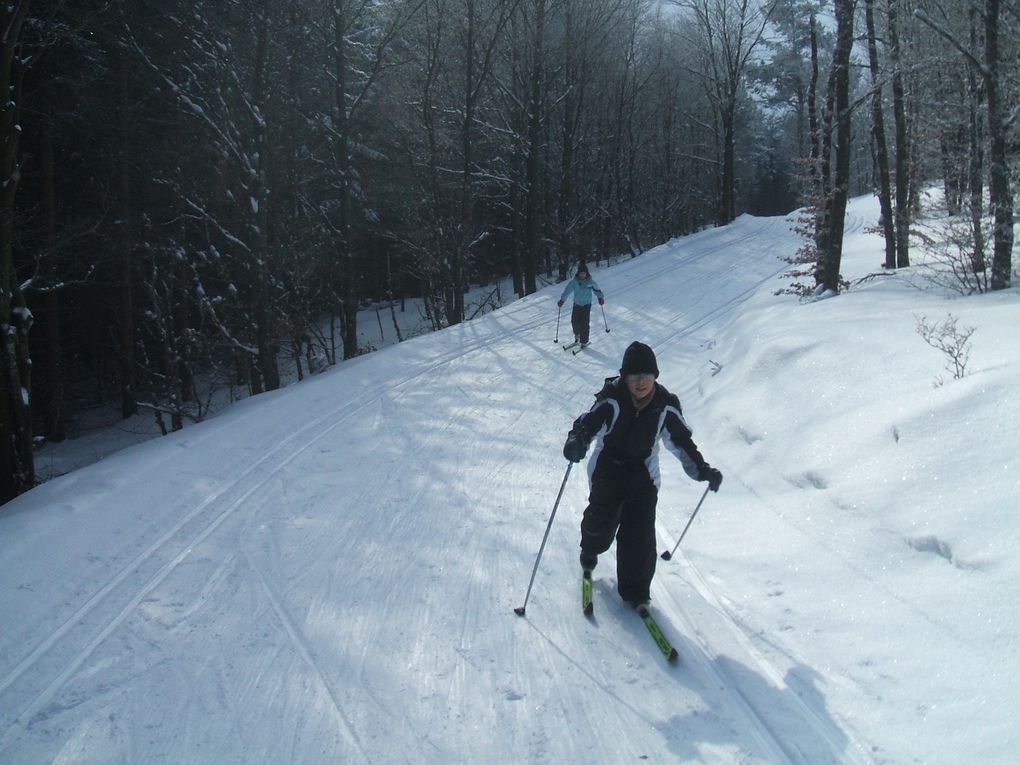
(197, 192)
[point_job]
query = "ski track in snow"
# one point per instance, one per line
(299, 642)
(92, 623)
(834, 743)
(708, 695)
(770, 742)
(744, 710)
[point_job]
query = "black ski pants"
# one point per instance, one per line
(622, 505)
(580, 321)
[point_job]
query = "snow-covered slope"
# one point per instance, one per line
(328, 573)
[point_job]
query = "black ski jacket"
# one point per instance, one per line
(628, 436)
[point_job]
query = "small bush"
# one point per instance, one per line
(954, 342)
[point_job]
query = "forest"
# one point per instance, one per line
(197, 192)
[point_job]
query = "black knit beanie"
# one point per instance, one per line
(639, 359)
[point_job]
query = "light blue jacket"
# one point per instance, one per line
(583, 289)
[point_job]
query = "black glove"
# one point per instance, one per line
(713, 476)
(574, 449)
(559, 303)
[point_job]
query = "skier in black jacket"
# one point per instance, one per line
(628, 417)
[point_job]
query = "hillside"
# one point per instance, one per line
(327, 573)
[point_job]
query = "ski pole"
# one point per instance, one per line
(559, 310)
(520, 610)
(666, 555)
(604, 317)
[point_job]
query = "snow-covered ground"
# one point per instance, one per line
(328, 573)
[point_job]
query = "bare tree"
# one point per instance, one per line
(829, 259)
(729, 32)
(880, 142)
(987, 62)
(226, 95)
(360, 37)
(902, 157)
(17, 469)
(535, 130)
(482, 31)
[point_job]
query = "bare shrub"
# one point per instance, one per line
(954, 342)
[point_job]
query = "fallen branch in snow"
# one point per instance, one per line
(869, 277)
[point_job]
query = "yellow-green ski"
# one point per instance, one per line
(660, 640)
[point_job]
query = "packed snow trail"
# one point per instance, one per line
(327, 573)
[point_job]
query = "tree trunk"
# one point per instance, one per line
(17, 470)
(265, 313)
(823, 229)
(727, 193)
(881, 147)
(902, 160)
(532, 239)
(571, 107)
(832, 257)
(1000, 193)
(466, 227)
(517, 245)
(126, 333)
(975, 159)
(341, 142)
(48, 387)
(812, 108)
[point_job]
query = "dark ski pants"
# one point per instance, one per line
(622, 505)
(580, 321)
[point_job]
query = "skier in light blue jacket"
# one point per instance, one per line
(583, 287)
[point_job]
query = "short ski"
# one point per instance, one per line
(574, 344)
(653, 627)
(667, 649)
(579, 348)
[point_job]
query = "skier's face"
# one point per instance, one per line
(640, 385)
(582, 275)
